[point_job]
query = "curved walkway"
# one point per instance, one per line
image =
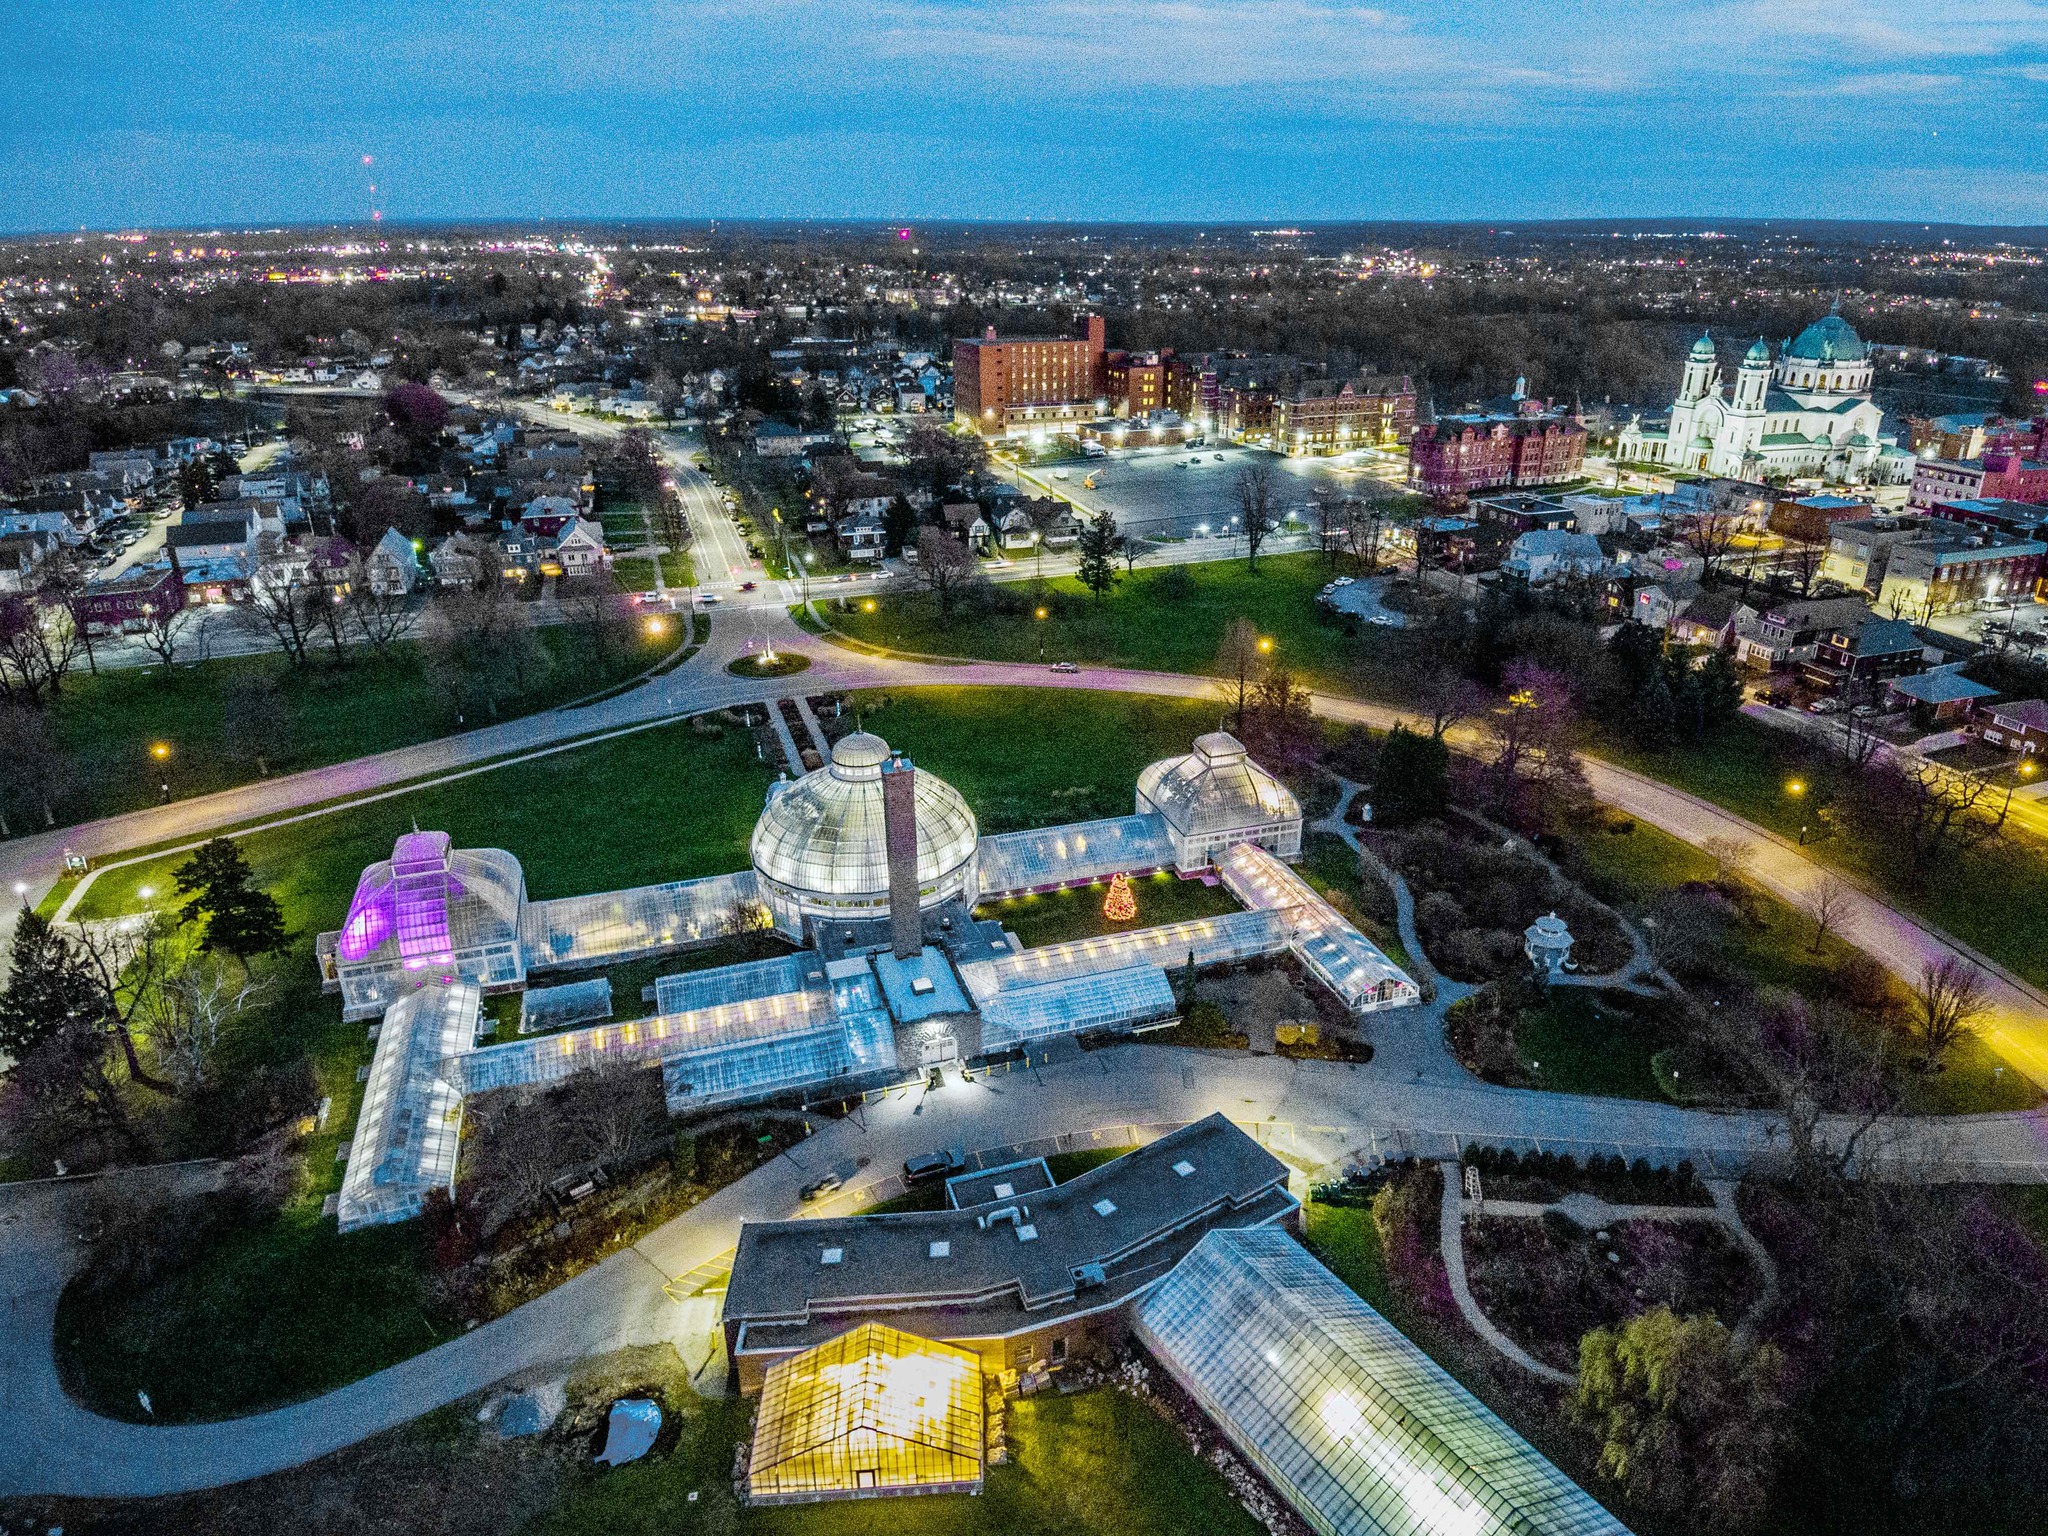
(1318, 1115)
(1591, 1213)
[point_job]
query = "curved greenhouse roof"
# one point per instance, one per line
(1830, 339)
(1215, 788)
(429, 902)
(825, 836)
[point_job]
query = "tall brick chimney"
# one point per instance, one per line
(899, 828)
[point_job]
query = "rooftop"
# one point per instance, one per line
(989, 1269)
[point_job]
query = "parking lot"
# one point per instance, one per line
(1188, 493)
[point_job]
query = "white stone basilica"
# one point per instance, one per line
(1810, 413)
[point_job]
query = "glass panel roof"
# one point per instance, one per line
(614, 925)
(1346, 961)
(824, 834)
(1215, 788)
(869, 1413)
(1088, 850)
(408, 1130)
(1363, 1432)
(1133, 995)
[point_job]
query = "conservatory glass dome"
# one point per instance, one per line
(1214, 789)
(821, 842)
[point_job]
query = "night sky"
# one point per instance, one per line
(191, 112)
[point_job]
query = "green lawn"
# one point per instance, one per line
(1099, 1462)
(1997, 902)
(1077, 914)
(1638, 868)
(1331, 865)
(288, 1307)
(109, 724)
(635, 573)
(1579, 1042)
(1033, 757)
(661, 804)
(1139, 626)
(1345, 1240)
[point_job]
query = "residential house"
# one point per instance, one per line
(1808, 519)
(392, 567)
(576, 549)
(1936, 697)
(1789, 631)
(1547, 555)
(1853, 660)
(222, 531)
(1708, 620)
(964, 520)
(55, 525)
(863, 536)
(2021, 726)
(23, 558)
(1657, 604)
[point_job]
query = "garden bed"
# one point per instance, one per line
(1547, 1283)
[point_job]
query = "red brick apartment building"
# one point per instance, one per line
(1326, 416)
(1462, 454)
(1007, 385)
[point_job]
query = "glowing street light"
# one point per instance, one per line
(1794, 787)
(160, 750)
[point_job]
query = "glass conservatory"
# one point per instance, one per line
(869, 1414)
(408, 1132)
(1363, 1433)
(430, 912)
(821, 850)
(1216, 796)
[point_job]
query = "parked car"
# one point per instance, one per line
(933, 1165)
(818, 1188)
(1066, 668)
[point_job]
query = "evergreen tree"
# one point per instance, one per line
(1720, 691)
(240, 919)
(1412, 781)
(899, 523)
(1653, 713)
(49, 987)
(1099, 546)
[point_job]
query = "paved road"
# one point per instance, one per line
(1315, 1113)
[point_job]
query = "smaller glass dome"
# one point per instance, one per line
(1215, 788)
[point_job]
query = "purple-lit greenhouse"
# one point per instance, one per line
(431, 912)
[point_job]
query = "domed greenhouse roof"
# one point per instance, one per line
(825, 834)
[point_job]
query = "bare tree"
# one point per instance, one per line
(1331, 511)
(747, 915)
(184, 1014)
(35, 773)
(1255, 507)
(1951, 997)
(1365, 526)
(1929, 811)
(285, 604)
(1241, 664)
(600, 612)
(1732, 857)
(128, 960)
(945, 567)
(1857, 743)
(1445, 695)
(1826, 903)
(163, 631)
(1711, 535)
(609, 1110)
(381, 612)
(38, 643)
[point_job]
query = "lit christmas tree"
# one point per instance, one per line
(1120, 906)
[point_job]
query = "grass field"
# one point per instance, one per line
(108, 724)
(1095, 1462)
(1995, 901)
(1140, 625)
(1032, 757)
(635, 573)
(1641, 867)
(1077, 914)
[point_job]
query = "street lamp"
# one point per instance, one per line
(1265, 645)
(1039, 615)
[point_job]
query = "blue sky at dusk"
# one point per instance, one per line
(116, 112)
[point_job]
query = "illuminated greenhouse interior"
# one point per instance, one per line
(870, 1413)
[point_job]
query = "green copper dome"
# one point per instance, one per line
(1703, 349)
(1829, 339)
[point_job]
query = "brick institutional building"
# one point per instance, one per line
(1003, 386)
(1462, 454)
